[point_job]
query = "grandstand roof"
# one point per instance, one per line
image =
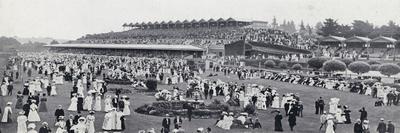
(358, 39)
(382, 39)
(130, 46)
(331, 38)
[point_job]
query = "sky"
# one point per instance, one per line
(71, 19)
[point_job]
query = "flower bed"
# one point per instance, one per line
(173, 108)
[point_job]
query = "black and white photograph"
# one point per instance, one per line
(199, 66)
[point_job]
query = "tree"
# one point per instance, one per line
(270, 63)
(334, 65)
(375, 67)
(54, 42)
(389, 69)
(297, 67)
(302, 27)
(361, 28)
(316, 63)
(344, 31)
(330, 27)
(359, 67)
(283, 65)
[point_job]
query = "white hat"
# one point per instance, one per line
(9, 103)
(31, 126)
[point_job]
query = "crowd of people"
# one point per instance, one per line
(202, 37)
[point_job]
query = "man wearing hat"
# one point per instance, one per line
(278, 122)
(59, 112)
(381, 126)
(358, 127)
(390, 127)
(44, 128)
(166, 123)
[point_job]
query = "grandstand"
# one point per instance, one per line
(380, 47)
(210, 34)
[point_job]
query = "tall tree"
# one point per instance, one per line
(362, 28)
(330, 27)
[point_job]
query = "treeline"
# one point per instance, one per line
(9, 44)
(357, 28)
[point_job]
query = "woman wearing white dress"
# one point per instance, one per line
(127, 104)
(275, 102)
(107, 103)
(88, 103)
(3, 89)
(21, 120)
(61, 125)
(74, 103)
(7, 113)
(53, 91)
(329, 127)
(90, 122)
(97, 104)
(33, 115)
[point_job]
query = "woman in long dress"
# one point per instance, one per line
(3, 89)
(275, 102)
(21, 120)
(97, 104)
(53, 90)
(127, 104)
(43, 104)
(33, 115)
(61, 124)
(90, 122)
(20, 99)
(107, 103)
(329, 127)
(74, 103)
(7, 113)
(88, 103)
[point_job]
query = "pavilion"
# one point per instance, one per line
(185, 24)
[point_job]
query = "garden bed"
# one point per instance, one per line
(174, 108)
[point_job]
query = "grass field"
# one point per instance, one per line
(307, 124)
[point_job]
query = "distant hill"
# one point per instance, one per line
(46, 40)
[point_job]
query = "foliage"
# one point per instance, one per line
(373, 62)
(330, 27)
(334, 65)
(54, 42)
(250, 109)
(218, 105)
(375, 67)
(270, 63)
(389, 69)
(151, 84)
(347, 61)
(297, 67)
(316, 63)
(359, 67)
(283, 65)
(8, 44)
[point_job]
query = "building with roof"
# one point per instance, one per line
(126, 49)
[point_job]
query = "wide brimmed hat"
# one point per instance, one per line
(31, 126)
(9, 103)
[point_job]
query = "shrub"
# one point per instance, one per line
(373, 62)
(251, 109)
(389, 69)
(359, 67)
(151, 84)
(347, 61)
(269, 63)
(283, 65)
(217, 105)
(316, 63)
(334, 65)
(375, 67)
(297, 67)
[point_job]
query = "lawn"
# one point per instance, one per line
(307, 124)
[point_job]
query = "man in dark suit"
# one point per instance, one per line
(69, 123)
(321, 104)
(121, 103)
(59, 112)
(177, 121)
(166, 123)
(190, 111)
(115, 101)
